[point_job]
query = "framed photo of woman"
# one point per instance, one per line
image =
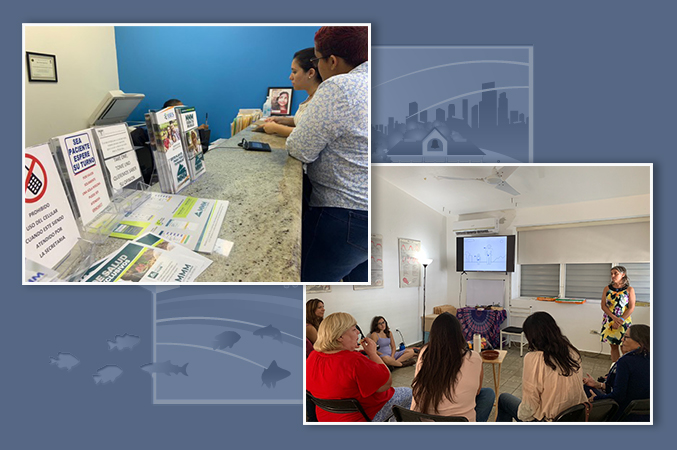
(280, 100)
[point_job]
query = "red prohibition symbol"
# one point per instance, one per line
(36, 179)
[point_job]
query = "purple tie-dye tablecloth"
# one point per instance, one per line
(485, 322)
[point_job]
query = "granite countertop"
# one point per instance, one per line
(264, 214)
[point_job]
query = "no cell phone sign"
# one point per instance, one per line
(36, 179)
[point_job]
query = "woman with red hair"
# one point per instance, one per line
(332, 139)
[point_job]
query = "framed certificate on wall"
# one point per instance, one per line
(41, 67)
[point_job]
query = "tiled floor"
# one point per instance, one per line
(511, 372)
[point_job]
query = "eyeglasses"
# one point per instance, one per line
(381, 323)
(317, 58)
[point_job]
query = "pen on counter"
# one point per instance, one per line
(206, 118)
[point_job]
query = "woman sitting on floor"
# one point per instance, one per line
(630, 377)
(381, 334)
(551, 379)
(336, 371)
(448, 380)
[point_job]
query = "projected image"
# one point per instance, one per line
(485, 254)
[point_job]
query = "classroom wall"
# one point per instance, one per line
(216, 69)
(86, 64)
(576, 321)
(395, 214)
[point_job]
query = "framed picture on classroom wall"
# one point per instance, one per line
(280, 100)
(410, 268)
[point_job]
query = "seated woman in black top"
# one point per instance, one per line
(630, 378)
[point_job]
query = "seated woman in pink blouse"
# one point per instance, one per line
(551, 379)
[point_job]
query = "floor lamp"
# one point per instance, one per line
(425, 262)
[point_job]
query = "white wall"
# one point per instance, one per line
(86, 67)
(576, 321)
(395, 214)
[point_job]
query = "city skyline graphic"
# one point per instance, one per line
(452, 104)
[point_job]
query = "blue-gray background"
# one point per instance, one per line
(603, 92)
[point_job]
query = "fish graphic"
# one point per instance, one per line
(64, 361)
(269, 331)
(107, 374)
(273, 374)
(122, 342)
(226, 339)
(165, 367)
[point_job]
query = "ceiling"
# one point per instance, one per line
(537, 185)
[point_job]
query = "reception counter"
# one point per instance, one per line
(264, 215)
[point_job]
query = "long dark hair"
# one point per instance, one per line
(544, 335)
(374, 325)
(303, 59)
(311, 317)
(440, 364)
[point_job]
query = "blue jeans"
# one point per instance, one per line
(484, 401)
(508, 405)
(335, 245)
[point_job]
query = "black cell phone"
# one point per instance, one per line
(254, 146)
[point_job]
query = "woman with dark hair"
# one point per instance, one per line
(381, 334)
(618, 303)
(314, 316)
(630, 377)
(448, 380)
(551, 379)
(304, 77)
(332, 138)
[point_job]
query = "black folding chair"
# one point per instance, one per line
(338, 406)
(636, 408)
(407, 415)
(599, 411)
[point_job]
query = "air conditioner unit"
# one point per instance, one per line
(476, 226)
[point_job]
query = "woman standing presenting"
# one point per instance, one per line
(618, 303)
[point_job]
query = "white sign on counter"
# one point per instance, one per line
(118, 154)
(86, 175)
(50, 228)
(123, 169)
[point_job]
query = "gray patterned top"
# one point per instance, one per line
(332, 137)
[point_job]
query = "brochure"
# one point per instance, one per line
(135, 262)
(168, 150)
(192, 222)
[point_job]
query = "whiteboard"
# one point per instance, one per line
(484, 292)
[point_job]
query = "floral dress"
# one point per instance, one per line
(617, 302)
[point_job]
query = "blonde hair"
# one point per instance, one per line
(332, 327)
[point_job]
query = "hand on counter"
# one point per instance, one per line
(276, 128)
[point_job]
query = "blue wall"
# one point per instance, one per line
(218, 70)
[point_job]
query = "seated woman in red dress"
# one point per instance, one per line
(335, 370)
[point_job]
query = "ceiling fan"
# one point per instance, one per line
(497, 178)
